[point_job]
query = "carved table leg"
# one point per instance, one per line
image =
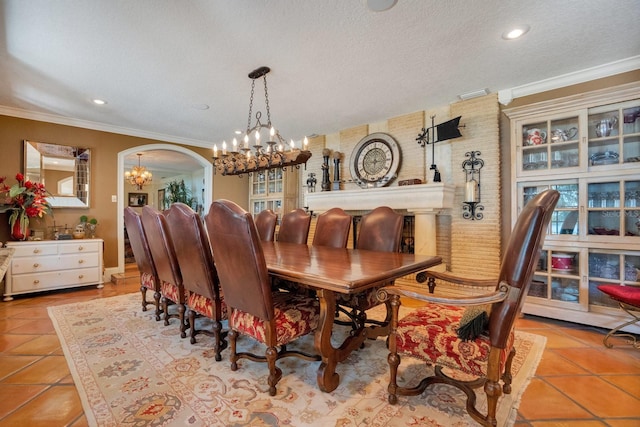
(327, 377)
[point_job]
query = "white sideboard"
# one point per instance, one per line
(46, 265)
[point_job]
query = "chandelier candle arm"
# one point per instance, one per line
(245, 160)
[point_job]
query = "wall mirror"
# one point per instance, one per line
(64, 171)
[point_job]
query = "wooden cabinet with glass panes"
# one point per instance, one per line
(274, 189)
(588, 148)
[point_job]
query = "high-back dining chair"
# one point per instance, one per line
(142, 254)
(380, 230)
(266, 224)
(439, 332)
(332, 229)
(199, 275)
(269, 316)
(164, 256)
(294, 227)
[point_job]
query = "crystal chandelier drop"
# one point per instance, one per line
(138, 176)
(251, 155)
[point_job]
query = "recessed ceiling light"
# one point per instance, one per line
(515, 32)
(200, 107)
(380, 5)
(99, 101)
(238, 132)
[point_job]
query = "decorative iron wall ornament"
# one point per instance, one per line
(471, 208)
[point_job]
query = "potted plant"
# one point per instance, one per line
(177, 191)
(25, 200)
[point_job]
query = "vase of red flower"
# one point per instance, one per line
(25, 200)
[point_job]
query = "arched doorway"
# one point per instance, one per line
(121, 203)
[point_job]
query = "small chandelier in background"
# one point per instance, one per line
(138, 176)
(240, 158)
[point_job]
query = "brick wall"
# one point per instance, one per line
(468, 247)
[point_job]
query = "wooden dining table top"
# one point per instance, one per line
(341, 270)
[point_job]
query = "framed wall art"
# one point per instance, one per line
(137, 200)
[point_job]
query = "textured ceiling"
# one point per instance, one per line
(335, 64)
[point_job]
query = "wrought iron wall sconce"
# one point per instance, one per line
(472, 209)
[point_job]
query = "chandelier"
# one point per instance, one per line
(251, 155)
(138, 176)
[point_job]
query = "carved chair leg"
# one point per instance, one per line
(274, 372)
(183, 321)
(165, 308)
(233, 356)
(192, 325)
(156, 298)
(492, 386)
(507, 376)
(143, 291)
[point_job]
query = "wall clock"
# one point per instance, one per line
(375, 160)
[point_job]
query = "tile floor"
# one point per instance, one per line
(578, 382)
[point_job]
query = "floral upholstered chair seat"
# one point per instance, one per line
(430, 334)
(295, 316)
(204, 305)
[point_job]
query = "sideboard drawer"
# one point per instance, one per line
(54, 280)
(31, 250)
(80, 247)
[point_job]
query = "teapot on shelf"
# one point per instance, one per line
(605, 126)
(560, 135)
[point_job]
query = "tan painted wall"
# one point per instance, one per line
(105, 147)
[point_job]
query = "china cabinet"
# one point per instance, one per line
(588, 148)
(46, 265)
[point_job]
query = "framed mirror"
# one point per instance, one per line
(64, 171)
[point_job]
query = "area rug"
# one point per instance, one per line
(133, 371)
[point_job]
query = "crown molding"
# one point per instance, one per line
(505, 96)
(87, 124)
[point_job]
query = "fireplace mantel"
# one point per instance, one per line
(424, 201)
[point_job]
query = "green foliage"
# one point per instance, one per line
(84, 218)
(177, 191)
(93, 221)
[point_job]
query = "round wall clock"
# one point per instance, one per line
(375, 160)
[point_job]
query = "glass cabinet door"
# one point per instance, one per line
(557, 276)
(551, 144)
(614, 134)
(614, 208)
(565, 218)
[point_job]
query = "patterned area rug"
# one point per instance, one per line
(133, 371)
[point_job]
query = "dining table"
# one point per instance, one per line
(330, 271)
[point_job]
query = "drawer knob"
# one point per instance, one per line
(80, 248)
(81, 276)
(36, 265)
(35, 282)
(80, 261)
(36, 251)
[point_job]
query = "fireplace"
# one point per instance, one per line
(422, 201)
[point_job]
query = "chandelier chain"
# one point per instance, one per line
(253, 85)
(266, 101)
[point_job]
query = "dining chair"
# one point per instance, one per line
(269, 316)
(199, 275)
(476, 340)
(294, 227)
(332, 229)
(142, 254)
(266, 224)
(380, 230)
(164, 256)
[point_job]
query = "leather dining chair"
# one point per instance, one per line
(199, 275)
(148, 275)
(332, 229)
(266, 224)
(269, 316)
(380, 230)
(164, 256)
(477, 340)
(294, 227)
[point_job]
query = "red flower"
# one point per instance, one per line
(25, 200)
